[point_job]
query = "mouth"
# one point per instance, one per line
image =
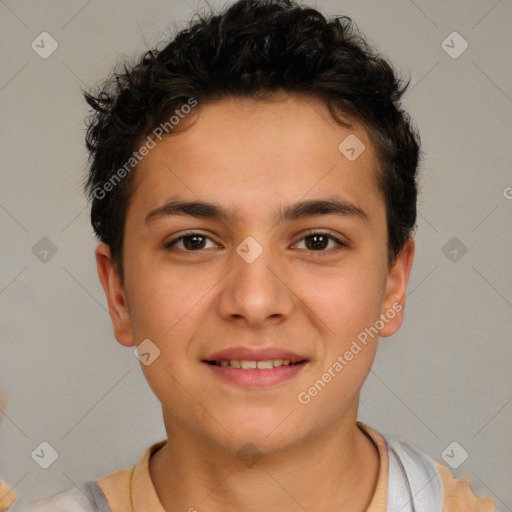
(248, 368)
(247, 364)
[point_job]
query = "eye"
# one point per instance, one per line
(315, 241)
(318, 241)
(190, 242)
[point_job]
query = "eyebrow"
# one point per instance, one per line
(302, 209)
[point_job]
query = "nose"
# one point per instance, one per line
(258, 290)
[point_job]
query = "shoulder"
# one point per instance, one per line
(91, 499)
(112, 492)
(458, 496)
(7, 496)
(431, 482)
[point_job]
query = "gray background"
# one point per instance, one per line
(446, 376)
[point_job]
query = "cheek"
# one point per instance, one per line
(163, 298)
(349, 306)
(165, 309)
(347, 302)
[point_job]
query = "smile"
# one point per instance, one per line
(251, 374)
(246, 364)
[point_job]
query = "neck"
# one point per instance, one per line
(337, 470)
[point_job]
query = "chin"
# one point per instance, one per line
(272, 432)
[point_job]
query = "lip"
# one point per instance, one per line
(255, 378)
(252, 354)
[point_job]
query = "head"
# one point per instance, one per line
(244, 114)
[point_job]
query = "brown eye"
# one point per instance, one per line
(319, 242)
(193, 242)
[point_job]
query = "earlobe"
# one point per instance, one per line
(393, 305)
(114, 292)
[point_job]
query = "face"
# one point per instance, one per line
(282, 257)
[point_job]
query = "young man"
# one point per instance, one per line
(253, 185)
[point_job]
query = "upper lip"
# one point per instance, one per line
(252, 354)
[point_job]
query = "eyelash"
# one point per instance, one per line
(171, 243)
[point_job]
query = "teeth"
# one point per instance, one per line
(263, 365)
(245, 364)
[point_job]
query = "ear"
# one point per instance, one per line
(114, 292)
(393, 305)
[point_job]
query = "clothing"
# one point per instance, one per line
(7, 496)
(408, 481)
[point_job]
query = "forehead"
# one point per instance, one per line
(251, 153)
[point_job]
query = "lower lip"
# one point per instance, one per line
(255, 378)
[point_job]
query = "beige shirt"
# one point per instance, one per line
(131, 490)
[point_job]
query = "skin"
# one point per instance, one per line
(254, 157)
